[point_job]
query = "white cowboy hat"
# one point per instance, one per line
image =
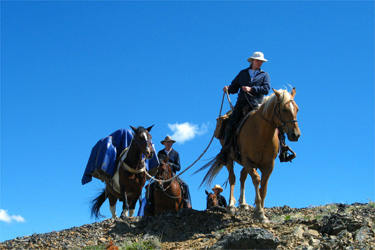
(217, 186)
(167, 139)
(258, 56)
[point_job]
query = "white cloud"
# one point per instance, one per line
(4, 216)
(186, 131)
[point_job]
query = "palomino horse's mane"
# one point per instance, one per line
(269, 101)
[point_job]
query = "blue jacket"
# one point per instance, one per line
(174, 159)
(260, 85)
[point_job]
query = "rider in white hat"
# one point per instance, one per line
(253, 83)
(220, 199)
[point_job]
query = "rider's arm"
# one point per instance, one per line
(263, 87)
(235, 85)
(176, 163)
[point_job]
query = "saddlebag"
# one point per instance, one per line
(221, 124)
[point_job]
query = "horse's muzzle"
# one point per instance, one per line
(149, 155)
(294, 136)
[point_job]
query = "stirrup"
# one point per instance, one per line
(285, 156)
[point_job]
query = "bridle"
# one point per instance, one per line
(141, 143)
(277, 114)
(127, 167)
(160, 184)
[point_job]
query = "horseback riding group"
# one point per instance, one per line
(252, 134)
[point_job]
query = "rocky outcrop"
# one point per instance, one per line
(334, 226)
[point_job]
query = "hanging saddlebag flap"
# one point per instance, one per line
(101, 163)
(221, 124)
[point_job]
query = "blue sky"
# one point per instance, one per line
(74, 72)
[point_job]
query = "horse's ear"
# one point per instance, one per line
(149, 128)
(293, 93)
(134, 129)
(166, 159)
(277, 93)
(207, 193)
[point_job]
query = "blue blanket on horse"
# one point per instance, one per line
(104, 154)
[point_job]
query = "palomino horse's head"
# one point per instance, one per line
(286, 113)
(143, 138)
(211, 200)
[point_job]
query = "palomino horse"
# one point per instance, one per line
(211, 200)
(167, 195)
(258, 145)
(130, 176)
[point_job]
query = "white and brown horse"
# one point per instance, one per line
(130, 176)
(259, 145)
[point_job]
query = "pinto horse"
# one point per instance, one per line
(167, 195)
(258, 145)
(129, 178)
(211, 200)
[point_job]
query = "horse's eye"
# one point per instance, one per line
(285, 110)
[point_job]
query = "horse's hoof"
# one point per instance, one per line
(231, 210)
(245, 207)
(261, 218)
(265, 220)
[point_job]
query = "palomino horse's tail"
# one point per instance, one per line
(96, 204)
(215, 168)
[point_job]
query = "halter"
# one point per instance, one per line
(160, 185)
(145, 141)
(123, 156)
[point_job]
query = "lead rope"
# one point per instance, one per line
(209, 144)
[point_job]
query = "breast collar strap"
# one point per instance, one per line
(125, 166)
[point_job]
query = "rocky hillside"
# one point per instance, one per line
(334, 226)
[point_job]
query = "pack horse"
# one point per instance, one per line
(258, 145)
(129, 178)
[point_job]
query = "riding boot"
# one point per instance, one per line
(185, 194)
(284, 154)
(223, 155)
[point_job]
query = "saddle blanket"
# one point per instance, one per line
(103, 155)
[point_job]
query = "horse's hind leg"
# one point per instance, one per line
(242, 199)
(232, 182)
(112, 205)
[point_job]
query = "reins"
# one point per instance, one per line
(165, 189)
(209, 144)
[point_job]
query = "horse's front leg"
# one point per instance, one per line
(132, 206)
(125, 204)
(263, 185)
(112, 205)
(242, 199)
(232, 182)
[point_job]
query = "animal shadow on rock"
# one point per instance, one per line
(174, 226)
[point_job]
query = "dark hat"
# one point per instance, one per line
(167, 139)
